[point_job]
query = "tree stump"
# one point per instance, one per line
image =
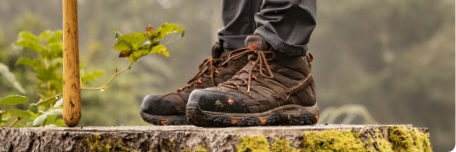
(191, 138)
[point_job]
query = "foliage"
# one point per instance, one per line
(47, 66)
(137, 45)
(48, 69)
(9, 101)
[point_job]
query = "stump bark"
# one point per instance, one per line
(190, 138)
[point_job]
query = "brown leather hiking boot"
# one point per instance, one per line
(169, 108)
(273, 89)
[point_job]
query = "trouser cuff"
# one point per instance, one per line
(278, 44)
(232, 42)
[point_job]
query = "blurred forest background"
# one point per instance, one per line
(394, 58)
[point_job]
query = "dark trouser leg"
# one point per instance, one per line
(238, 21)
(287, 24)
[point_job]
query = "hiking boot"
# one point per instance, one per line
(272, 89)
(169, 108)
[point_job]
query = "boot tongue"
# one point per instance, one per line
(216, 51)
(256, 42)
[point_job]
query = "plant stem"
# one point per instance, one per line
(105, 86)
(15, 121)
(47, 99)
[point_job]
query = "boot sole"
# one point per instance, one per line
(284, 115)
(164, 120)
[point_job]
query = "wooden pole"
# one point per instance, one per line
(71, 79)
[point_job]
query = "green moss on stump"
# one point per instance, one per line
(96, 145)
(377, 142)
(197, 149)
(200, 149)
(393, 139)
(281, 145)
(409, 140)
(253, 144)
(401, 139)
(333, 140)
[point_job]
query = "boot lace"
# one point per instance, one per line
(208, 69)
(257, 59)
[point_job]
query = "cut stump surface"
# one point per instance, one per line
(191, 138)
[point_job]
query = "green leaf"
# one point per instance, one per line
(160, 49)
(121, 46)
(27, 61)
(60, 123)
(58, 103)
(137, 54)
(157, 49)
(147, 45)
(45, 34)
(18, 112)
(50, 119)
(29, 41)
(166, 29)
(4, 120)
(54, 51)
(33, 107)
(18, 125)
(49, 73)
(87, 77)
(54, 37)
(118, 34)
(131, 41)
(12, 100)
(55, 112)
(6, 116)
(137, 45)
(39, 120)
(56, 48)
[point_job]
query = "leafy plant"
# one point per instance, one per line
(10, 101)
(47, 65)
(137, 45)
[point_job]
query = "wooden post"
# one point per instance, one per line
(71, 78)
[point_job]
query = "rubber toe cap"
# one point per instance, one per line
(211, 100)
(157, 106)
